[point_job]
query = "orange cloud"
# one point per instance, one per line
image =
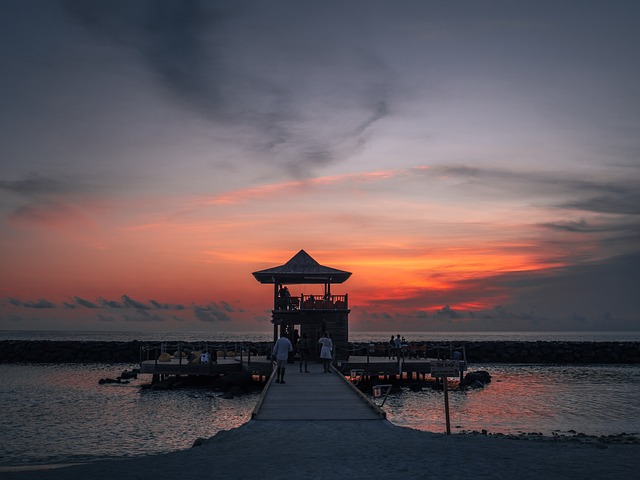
(287, 188)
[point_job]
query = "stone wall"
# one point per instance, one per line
(43, 351)
(46, 351)
(546, 352)
(18, 351)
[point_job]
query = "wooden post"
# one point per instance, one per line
(446, 403)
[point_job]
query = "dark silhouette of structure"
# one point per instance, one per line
(312, 314)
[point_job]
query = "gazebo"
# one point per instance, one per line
(310, 313)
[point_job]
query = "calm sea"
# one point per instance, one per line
(59, 413)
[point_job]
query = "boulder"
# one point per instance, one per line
(472, 379)
(104, 381)
(128, 374)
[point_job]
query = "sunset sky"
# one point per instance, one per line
(474, 164)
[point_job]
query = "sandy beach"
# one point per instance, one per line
(364, 450)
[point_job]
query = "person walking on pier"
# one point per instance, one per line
(325, 352)
(281, 352)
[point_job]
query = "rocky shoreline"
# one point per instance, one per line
(44, 351)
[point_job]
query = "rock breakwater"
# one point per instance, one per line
(43, 351)
(553, 352)
(69, 351)
(561, 352)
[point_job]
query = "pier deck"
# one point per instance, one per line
(384, 366)
(314, 396)
(177, 367)
(262, 366)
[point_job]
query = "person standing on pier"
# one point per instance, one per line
(303, 350)
(325, 352)
(398, 345)
(281, 352)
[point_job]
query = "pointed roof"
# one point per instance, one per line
(301, 269)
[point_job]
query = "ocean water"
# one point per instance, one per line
(58, 413)
(549, 399)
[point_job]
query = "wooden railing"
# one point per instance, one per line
(313, 302)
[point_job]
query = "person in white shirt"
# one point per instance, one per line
(281, 353)
(325, 352)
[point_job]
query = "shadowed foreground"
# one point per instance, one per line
(364, 450)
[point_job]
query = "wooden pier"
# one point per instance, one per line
(369, 367)
(314, 396)
(383, 367)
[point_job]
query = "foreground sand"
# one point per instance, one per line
(364, 450)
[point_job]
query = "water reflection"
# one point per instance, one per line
(595, 400)
(59, 413)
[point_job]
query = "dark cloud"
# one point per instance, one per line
(210, 313)
(104, 303)
(226, 306)
(46, 200)
(219, 60)
(611, 204)
(40, 303)
(624, 201)
(588, 290)
(169, 35)
(579, 227)
(166, 306)
(448, 312)
(85, 303)
(37, 185)
(589, 192)
(128, 302)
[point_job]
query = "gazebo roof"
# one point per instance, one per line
(301, 269)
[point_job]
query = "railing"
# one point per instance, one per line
(313, 302)
(186, 353)
(440, 352)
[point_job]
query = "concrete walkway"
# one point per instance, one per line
(314, 396)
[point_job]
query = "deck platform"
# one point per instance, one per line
(385, 367)
(262, 366)
(177, 367)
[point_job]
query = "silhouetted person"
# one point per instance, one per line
(398, 342)
(281, 353)
(325, 352)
